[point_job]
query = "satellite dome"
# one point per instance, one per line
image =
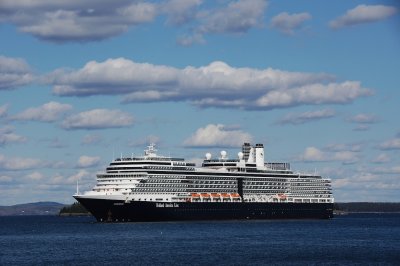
(208, 156)
(223, 154)
(240, 155)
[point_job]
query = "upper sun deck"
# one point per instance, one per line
(150, 157)
(251, 158)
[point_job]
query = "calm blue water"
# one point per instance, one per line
(352, 239)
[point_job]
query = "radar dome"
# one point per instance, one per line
(208, 156)
(223, 154)
(240, 155)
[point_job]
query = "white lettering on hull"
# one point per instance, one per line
(167, 205)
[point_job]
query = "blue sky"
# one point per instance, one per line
(81, 82)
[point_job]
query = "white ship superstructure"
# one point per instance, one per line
(161, 179)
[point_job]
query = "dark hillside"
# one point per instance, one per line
(368, 206)
(36, 208)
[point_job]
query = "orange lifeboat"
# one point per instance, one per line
(205, 195)
(282, 196)
(195, 195)
(215, 195)
(235, 195)
(225, 195)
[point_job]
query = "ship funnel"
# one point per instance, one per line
(259, 156)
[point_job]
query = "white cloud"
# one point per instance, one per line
(5, 179)
(236, 17)
(188, 40)
(353, 147)
(363, 14)
(381, 158)
(214, 85)
(8, 136)
(391, 144)
(217, 135)
(14, 72)
(88, 161)
(61, 21)
(364, 119)
(394, 170)
(35, 176)
(113, 76)
(301, 118)
(3, 110)
(180, 11)
(332, 93)
(17, 163)
(98, 119)
(59, 179)
(313, 154)
(48, 112)
(288, 23)
(346, 157)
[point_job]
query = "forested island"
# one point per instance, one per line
(73, 210)
(367, 206)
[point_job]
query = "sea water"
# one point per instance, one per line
(361, 239)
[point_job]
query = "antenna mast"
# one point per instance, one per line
(77, 187)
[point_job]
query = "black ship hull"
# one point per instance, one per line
(139, 211)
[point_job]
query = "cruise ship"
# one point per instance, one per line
(163, 188)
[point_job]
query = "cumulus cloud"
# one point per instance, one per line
(88, 161)
(14, 72)
(3, 110)
(82, 21)
(391, 144)
(381, 158)
(35, 176)
(180, 11)
(17, 163)
(313, 154)
(364, 119)
(8, 136)
(5, 179)
(338, 93)
(217, 135)
(214, 85)
(363, 14)
(98, 119)
(61, 21)
(236, 17)
(387, 170)
(188, 40)
(337, 147)
(288, 23)
(48, 112)
(301, 118)
(59, 179)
